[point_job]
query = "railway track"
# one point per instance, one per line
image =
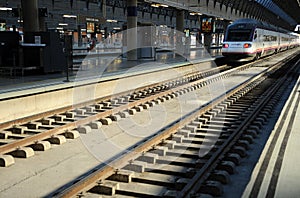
(195, 155)
(22, 137)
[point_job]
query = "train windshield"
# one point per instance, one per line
(239, 35)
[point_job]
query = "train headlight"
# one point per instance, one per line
(225, 45)
(247, 45)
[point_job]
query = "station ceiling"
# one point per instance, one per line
(280, 13)
(291, 7)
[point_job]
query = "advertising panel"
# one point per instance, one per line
(2, 26)
(90, 27)
(207, 25)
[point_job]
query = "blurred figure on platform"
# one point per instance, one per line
(92, 42)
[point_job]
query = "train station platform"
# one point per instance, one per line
(276, 173)
(104, 63)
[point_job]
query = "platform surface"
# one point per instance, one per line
(107, 63)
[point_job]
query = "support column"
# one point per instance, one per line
(180, 20)
(207, 41)
(171, 35)
(180, 37)
(225, 25)
(42, 24)
(79, 35)
(217, 39)
(30, 15)
(132, 30)
(105, 33)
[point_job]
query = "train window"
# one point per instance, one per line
(284, 39)
(274, 38)
(269, 38)
(266, 38)
(255, 35)
(239, 35)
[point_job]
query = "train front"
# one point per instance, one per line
(238, 43)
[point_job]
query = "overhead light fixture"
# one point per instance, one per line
(69, 16)
(5, 9)
(111, 21)
(156, 5)
(163, 5)
(117, 28)
(195, 13)
(63, 24)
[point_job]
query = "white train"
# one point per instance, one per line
(249, 39)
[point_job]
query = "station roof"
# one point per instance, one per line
(280, 13)
(286, 10)
(292, 7)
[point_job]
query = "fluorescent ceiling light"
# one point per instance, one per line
(5, 9)
(69, 16)
(111, 21)
(155, 5)
(195, 13)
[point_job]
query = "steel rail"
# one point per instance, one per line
(4, 149)
(70, 126)
(102, 173)
(201, 176)
(68, 108)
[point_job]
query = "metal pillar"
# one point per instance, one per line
(217, 39)
(42, 24)
(172, 37)
(180, 20)
(207, 41)
(132, 30)
(30, 16)
(180, 37)
(79, 35)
